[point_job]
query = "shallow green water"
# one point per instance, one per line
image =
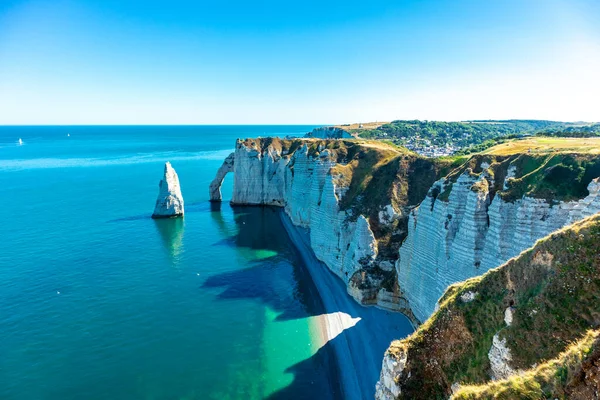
(98, 301)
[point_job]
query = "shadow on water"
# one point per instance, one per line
(359, 348)
(171, 233)
(225, 229)
(305, 386)
(255, 228)
(259, 229)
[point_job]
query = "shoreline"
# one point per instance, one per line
(359, 335)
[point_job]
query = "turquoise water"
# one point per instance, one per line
(98, 301)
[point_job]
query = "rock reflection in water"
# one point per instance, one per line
(171, 232)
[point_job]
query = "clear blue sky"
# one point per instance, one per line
(232, 61)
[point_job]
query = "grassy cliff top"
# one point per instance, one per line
(546, 145)
(554, 169)
(553, 290)
(356, 128)
(342, 147)
(376, 173)
(466, 134)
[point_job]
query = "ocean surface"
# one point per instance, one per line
(99, 301)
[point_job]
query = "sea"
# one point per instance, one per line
(99, 301)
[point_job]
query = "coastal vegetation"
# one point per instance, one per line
(465, 137)
(375, 174)
(552, 292)
(555, 169)
(566, 376)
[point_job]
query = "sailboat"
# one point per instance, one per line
(20, 142)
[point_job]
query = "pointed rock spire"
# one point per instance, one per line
(169, 203)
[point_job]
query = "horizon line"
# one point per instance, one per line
(299, 124)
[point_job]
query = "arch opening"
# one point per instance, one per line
(215, 185)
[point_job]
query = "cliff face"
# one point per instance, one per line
(302, 183)
(352, 196)
(384, 222)
(362, 200)
(468, 223)
(512, 319)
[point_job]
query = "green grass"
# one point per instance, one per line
(553, 176)
(557, 378)
(555, 291)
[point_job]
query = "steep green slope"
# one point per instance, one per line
(555, 169)
(552, 292)
(574, 375)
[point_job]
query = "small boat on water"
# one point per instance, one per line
(20, 142)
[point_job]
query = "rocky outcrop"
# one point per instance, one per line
(394, 362)
(494, 332)
(500, 359)
(473, 230)
(214, 189)
(573, 375)
(169, 203)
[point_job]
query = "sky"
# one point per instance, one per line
(297, 62)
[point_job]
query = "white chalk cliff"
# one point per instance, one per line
(451, 241)
(215, 186)
(304, 186)
(170, 201)
(392, 369)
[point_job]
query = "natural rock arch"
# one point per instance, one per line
(215, 186)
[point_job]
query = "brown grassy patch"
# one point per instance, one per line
(546, 145)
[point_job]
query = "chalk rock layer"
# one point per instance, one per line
(304, 186)
(169, 203)
(394, 362)
(214, 190)
(302, 183)
(451, 241)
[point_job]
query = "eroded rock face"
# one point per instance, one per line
(500, 358)
(451, 241)
(392, 368)
(311, 196)
(214, 189)
(169, 203)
